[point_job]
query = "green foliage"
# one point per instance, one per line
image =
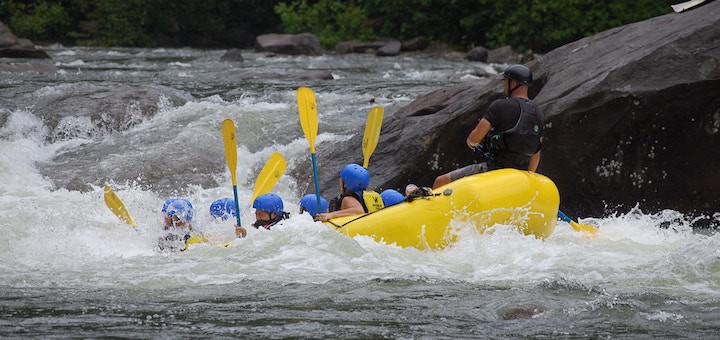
(537, 24)
(116, 23)
(331, 21)
(546, 24)
(36, 20)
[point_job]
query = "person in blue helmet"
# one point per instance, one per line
(178, 214)
(223, 208)
(268, 212)
(309, 203)
(354, 199)
(391, 197)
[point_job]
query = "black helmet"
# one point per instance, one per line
(519, 73)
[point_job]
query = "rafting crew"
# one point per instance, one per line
(509, 134)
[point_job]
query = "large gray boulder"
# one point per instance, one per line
(632, 113)
(13, 47)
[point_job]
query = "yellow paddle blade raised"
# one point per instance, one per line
(372, 133)
(230, 144)
(117, 207)
(308, 115)
(269, 175)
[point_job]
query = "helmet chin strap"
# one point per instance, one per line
(513, 89)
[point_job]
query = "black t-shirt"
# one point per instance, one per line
(503, 114)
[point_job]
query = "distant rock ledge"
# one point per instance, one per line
(13, 47)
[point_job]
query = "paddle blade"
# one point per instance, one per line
(230, 144)
(117, 207)
(272, 171)
(587, 228)
(308, 115)
(372, 133)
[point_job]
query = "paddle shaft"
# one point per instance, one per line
(564, 217)
(237, 206)
(317, 181)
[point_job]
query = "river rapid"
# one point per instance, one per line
(70, 268)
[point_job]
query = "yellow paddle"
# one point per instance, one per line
(372, 133)
(269, 175)
(309, 123)
(117, 207)
(230, 144)
(590, 229)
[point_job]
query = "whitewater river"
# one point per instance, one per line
(70, 268)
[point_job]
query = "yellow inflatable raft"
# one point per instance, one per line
(510, 197)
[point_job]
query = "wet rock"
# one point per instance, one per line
(314, 75)
(232, 55)
(13, 47)
(294, 44)
(503, 55)
(38, 67)
(390, 48)
(632, 114)
(478, 54)
(414, 44)
(88, 110)
(357, 46)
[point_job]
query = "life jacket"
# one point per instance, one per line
(366, 196)
(372, 201)
(514, 147)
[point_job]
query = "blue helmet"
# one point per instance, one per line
(356, 177)
(181, 208)
(167, 203)
(223, 208)
(391, 197)
(309, 203)
(270, 203)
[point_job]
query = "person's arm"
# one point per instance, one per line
(534, 161)
(349, 206)
(478, 133)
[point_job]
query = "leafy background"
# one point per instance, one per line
(540, 25)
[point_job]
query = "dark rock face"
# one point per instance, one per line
(13, 47)
(294, 44)
(632, 114)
